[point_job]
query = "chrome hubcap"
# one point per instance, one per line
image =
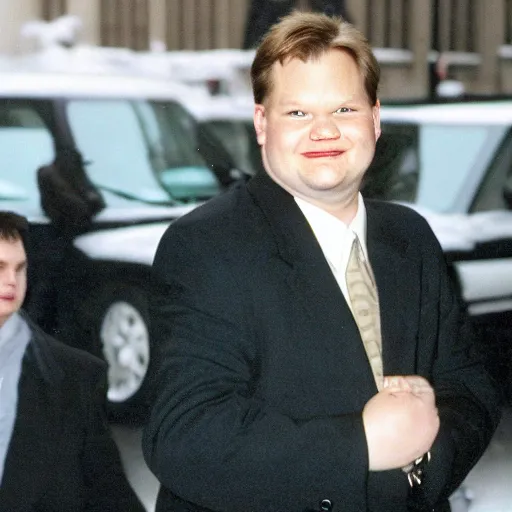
(125, 341)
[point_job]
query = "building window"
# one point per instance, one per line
(203, 24)
(508, 22)
(454, 26)
(51, 9)
(387, 23)
(125, 23)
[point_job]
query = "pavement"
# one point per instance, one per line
(488, 487)
(489, 484)
(144, 483)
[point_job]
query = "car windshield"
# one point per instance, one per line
(142, 150)
(430, 164)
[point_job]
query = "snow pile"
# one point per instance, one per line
(63, 31)
(222, 72)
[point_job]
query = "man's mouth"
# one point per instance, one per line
(322, 154)
(7, 297)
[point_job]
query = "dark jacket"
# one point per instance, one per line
(263, 376)
(61, 457)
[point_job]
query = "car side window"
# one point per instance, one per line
(394, 172)
(176, 130)
(236, 138)
(492, 192)
(25, 145)
(449, 155)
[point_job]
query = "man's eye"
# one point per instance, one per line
(343, 110)
(297, 113)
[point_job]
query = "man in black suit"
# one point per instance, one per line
(271, 395)
(262, 14)
(56, 450)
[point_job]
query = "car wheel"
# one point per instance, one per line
(122, 338)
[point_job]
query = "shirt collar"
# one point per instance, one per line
(325, 225)
(9, 329)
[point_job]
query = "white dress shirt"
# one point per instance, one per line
(336, 238)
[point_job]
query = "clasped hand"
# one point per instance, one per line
(400, 421)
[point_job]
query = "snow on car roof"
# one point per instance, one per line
(194, 68)
(227, 67)
(222, 108)
(40, 84)
(198, 64)
(476, 113)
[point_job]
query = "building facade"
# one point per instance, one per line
(416, 41)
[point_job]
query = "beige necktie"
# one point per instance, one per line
(364, 299)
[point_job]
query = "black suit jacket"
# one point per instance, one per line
(262, 374)
(61, 457)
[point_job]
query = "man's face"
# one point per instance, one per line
(13, 277)
(317, 128)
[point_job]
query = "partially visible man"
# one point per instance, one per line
(312, 352)
(56, 451)
(262, 14)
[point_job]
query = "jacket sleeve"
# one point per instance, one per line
(210, 439)
(466, 395)
(106, 486)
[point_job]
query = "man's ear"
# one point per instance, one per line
(376, 119)
(260, 124)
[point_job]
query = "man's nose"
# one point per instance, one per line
(325, 129)
(10, 277)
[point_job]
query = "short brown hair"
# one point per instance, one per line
(13, 226)
(305, 35)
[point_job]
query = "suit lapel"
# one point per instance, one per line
(323, 310)
(38, 422)
(309, 274)
(398, 300)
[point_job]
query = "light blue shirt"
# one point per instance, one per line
(14, 337)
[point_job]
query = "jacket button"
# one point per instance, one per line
(326, 506)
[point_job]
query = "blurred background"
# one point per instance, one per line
(153, 99)
(469, 40)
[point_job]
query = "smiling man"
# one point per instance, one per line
(318, 130)
(311, 353)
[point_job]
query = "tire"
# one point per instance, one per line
(121, 337)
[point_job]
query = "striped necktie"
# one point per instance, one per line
(364, 299)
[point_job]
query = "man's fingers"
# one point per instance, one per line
(411, 383)
(396, 383)
(419, 384)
